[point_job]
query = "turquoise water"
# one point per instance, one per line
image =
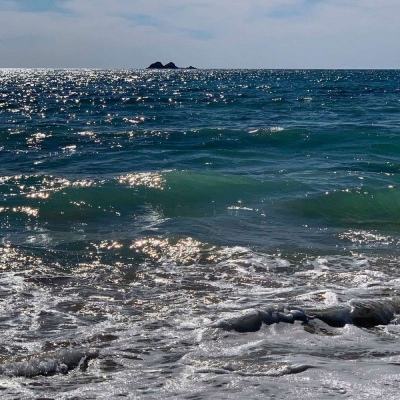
(244, 157)
(150, 202)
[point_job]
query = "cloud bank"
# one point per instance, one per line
(205, 33)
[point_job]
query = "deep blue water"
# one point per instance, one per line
(129, 198)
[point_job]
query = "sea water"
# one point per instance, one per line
(138, 207)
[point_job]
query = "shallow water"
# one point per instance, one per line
(138, 207)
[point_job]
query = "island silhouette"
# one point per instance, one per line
(170, 65)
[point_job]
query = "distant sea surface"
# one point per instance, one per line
(138, 207)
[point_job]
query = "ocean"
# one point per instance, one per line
(138, 207)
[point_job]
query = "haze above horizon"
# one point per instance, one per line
(206, 34)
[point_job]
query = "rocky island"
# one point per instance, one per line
(170, 65)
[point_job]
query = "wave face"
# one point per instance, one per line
(136, 207)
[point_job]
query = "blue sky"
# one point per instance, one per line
(205, 33)
(36, 5)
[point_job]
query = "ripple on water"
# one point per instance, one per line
(138, 208)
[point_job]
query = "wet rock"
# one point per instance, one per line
(252, 322)
(300, 315)
(246, 323)
(367, 314)
(361, 313)
(336, 317)
(51, 363)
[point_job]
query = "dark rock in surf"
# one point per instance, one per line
(51, 363)
(361, 313)
(246, 323)
(252, 322)
(274, 316)
(336, 317)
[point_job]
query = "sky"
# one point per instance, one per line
(203, 33)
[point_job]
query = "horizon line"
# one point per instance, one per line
(219, 68)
